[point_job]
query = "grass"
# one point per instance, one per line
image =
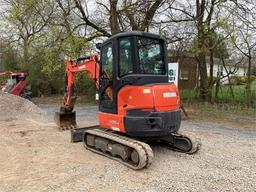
(235, 115)
(227, 110)
(224, 95)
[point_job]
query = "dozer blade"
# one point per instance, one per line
(65, 120)
(182, 143)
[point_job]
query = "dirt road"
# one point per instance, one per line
(37, 157)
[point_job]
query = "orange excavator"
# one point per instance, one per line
(137, 105)
(16, 84)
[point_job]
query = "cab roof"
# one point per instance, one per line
(133, 33)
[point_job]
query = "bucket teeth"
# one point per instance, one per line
(65, 120)
(65, 128)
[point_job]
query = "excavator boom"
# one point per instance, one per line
(66, 117)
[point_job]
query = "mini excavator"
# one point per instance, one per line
(137, 104)
(16, 84)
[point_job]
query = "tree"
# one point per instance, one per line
(9, 57)
(27, 21)
(113, 16)
(206, 19)
(246, 45)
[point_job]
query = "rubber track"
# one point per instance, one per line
(144, 150)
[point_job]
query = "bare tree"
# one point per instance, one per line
(246, 46)
(209, 18)
(113, 16)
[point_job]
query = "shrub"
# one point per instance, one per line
(241, 80)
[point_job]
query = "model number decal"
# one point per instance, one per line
(169, 94)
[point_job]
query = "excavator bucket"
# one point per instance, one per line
(65, 120)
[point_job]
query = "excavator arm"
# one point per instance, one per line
(66, 117)
(84, 64)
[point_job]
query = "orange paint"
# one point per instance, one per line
(111, 121)
(133, 97)
(148, 98)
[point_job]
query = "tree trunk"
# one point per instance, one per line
(211, 81)
(229, 83)
(201, 48)
(217, 88)
(114, 25)
(248, 83)
(231, 88)
(25, 55)
(203, 88)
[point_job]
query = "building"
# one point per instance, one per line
(189, 70)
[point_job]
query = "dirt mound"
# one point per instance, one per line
(14, 107)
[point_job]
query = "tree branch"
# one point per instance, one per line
(88, 22)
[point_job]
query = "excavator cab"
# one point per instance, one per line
(130, 59)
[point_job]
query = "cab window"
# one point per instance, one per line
(125, 57)
(107, 61)
(151, 56)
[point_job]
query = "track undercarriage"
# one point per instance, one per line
(133, 153)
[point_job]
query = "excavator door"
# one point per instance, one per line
(106, 79)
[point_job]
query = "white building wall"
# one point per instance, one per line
(241, 71)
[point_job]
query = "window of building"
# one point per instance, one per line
(220, 70)
(184, 74)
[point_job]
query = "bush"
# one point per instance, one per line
(241, 80)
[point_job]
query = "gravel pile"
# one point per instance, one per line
(14, 107)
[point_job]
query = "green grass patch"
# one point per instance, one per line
(234, 115)
(188, 94)
(224, 95)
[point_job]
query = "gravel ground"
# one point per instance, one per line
(37, 157)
